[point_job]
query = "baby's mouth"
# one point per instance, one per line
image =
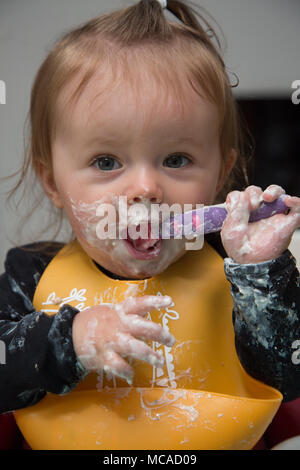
(143, 248)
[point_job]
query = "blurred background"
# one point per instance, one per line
(262, 49)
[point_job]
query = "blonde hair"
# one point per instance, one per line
(125, 41)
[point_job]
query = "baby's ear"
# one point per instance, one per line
(226, 168)
(45, 174)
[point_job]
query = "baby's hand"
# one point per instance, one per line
(262, 240)
(104, 334)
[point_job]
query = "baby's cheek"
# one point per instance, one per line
(93, 222)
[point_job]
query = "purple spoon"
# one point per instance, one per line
(210, 219)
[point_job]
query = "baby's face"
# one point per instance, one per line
(147, 149)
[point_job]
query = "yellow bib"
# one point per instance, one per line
(201, 399)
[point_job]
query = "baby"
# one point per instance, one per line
(131, 105)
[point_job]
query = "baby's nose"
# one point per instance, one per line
(141, 199)
(142, 190)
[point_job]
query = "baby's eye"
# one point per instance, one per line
(176, 161)
(106, 163)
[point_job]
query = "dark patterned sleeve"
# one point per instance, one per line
(266, 319)
(37, 354)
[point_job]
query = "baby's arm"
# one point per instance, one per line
(53, 353)
(266, 318)
(265, 288)
(36, 358)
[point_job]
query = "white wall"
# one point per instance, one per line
(263, 43)
(263, 49)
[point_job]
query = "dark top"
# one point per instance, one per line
(39, 353)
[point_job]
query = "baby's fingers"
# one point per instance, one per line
(144, 304)
(255, 197)
(131, 347)
(237, 218)
(273, 192)
(114, 364)
(147, 329)
(292, 219)
(293, 202)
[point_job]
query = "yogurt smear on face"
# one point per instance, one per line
(142, 256)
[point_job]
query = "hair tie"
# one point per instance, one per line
(163, 3)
